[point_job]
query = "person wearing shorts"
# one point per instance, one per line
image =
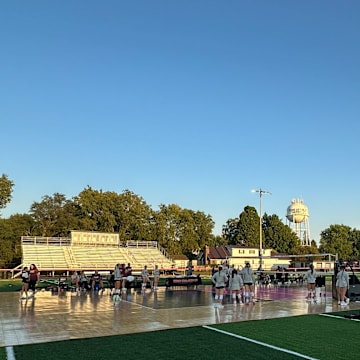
(25, 278)
(96, 281)
(145, 278)
(117, 282)
(310, 278)
(219, 279)
(156, 277)
(236, 284)
(83, 281)
(75, 280)
(342, 285)
(248, 279)
(123, 278)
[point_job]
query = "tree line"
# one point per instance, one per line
(178, 230)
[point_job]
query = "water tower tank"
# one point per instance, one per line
(297, 212)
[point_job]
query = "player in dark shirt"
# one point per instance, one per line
(96, 281)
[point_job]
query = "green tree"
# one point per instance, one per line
(167, 229)
(218, 240)
(279, 236)
(135, 217)
(337, 240)
(244, 230)
(54, 216)
(230, 231)
(195, 229)
(125, 213)
(354, 238)
(95, 210)
(183, 231)
(306, 250)
(11, 230)
(6, 188)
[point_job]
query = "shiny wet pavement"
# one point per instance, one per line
(52, 317)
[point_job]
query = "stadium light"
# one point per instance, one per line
(261, 192)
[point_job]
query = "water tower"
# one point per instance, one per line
(298, 216)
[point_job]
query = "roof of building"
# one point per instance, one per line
(218, 252)
(247, 247)
(179, 257)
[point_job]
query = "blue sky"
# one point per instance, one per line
(192, 102)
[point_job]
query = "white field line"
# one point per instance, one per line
(10, 353)
(261, 343)
(339, 317)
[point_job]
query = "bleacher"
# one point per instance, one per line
(45, 256)
(65, 254)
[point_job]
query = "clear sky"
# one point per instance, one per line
(193, 102)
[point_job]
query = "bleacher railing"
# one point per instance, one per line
(39, 240)
(70, 259)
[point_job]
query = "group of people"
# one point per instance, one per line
(240, 282)
(145, 276)
(118, 280)
(29, 277)
(342, 285)
(82, 282)
(123, 274)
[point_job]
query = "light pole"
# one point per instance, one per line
(261, 192)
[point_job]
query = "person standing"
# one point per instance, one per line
(156, 277)
(75, 280)
(123, 278)
(34, 277)
(247, 274)
(127, 276)
(219, 279)
(25, 283)
(117, 283)
(236, 284)
(310, 278)
(145, 278)
(342, 284)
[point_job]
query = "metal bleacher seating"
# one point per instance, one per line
(59, 254)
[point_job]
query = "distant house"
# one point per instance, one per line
(215, 255)
(238, 256)
(180, 261)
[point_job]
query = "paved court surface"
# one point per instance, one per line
(70, 316)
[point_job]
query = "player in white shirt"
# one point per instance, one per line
(25, 278)
(145, 278)
(310, 278)
(156, 277)
(219, 279)
(75, 280)
(236, 284)
(342, 284)
(248, 278)
(117, 283)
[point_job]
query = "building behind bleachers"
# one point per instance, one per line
(90, 251)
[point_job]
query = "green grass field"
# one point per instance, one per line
(2, 354)
(307, 336)
(310, 336)
(10, 285)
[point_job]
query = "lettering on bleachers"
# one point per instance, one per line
(90, 237)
